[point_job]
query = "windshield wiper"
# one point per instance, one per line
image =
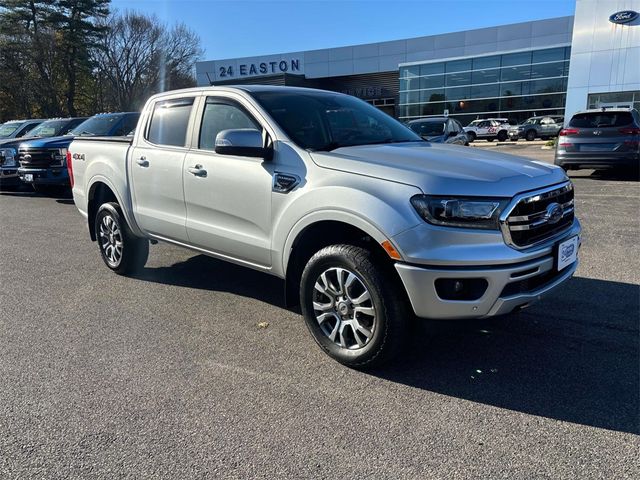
(84, 133)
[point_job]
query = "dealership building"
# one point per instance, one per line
(544, 67)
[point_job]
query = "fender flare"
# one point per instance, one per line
(336, 215)
(125, 206)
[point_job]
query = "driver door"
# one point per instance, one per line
(228, 197)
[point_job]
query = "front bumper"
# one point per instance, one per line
(509, 286)
(9, 175)
(45, 176)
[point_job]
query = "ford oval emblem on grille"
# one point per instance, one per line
(554, 213)
(27, 157)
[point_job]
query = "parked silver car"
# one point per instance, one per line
(537, 127)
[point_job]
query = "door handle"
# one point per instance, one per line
(142, 161)
(197, 170)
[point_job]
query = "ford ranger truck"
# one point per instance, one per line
(42, 160)
(366, 222)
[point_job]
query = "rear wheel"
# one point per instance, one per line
(120, 249)
(530, 135)
(353, 308)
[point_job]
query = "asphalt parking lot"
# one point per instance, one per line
(169, 375)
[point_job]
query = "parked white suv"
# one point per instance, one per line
(488, 129)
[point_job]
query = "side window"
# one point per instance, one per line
(169, 122)
(26, 129)
(72, 124)
(130, 123)
(222, 115)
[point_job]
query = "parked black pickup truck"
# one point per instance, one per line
(43, 160)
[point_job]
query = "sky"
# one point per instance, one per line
(241, 28)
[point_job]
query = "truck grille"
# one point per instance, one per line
(538, 216)
(40, 157)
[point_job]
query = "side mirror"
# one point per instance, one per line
(242, 142)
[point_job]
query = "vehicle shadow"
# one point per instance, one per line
(573, 357)
(612, 174)
(207, 273)
(63, 194)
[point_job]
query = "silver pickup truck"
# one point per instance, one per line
(366, 222)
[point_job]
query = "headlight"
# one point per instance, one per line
(8, 157)
(460, 212)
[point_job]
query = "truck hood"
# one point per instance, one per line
(10, 142)
(443, 169)
(47, 142)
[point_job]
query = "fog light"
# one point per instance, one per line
(466, 289)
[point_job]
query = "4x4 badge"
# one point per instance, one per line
(597, 132)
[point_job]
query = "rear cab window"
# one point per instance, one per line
(169, 122)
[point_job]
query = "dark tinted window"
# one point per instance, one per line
(220, 115)
(169, 122)
(428, 128)
(601, 119)
(324, 121)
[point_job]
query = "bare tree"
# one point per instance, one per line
(141, 56)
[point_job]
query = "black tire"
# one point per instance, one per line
(472, 136)
(502, 136)
(387, 326)
(111, 228)
(490, 139)
(530, 136)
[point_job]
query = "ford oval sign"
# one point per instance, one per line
(625, 16)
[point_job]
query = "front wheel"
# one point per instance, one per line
(472, 136)
(353, 308)
(530, 136)
(120, 249)
(502, 136)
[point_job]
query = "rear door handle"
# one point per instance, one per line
(197, 170)
(142, 161)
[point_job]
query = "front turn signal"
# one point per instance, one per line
(391, 251)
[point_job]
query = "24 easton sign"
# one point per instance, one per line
(259, 68)
(624, 16)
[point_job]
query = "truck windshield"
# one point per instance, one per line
(50, 128)
(98, 125)
(325, 121)
(7, 129)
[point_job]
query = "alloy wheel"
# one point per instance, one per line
(110, 240)
(344, 309)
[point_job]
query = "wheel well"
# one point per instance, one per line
(100, 193)
(319, 235)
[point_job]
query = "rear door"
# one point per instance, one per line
(156, 169)
(228, 198)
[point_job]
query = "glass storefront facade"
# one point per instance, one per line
(513, 85)
(615, 99)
